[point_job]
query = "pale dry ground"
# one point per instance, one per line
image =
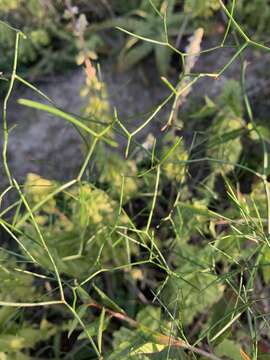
(49, 146)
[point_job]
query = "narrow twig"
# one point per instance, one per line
(6, 99)
(159, 338)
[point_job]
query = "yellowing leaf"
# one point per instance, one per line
(148, 348)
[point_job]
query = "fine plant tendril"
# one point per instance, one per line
(5, 125)
(67, 291)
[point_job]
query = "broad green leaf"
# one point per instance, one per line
(149, 317)
(6, 314)
(141, 341)
(231, 98)
(230, 349)
(224, 143)
(221, 315)
(134, 55)
(124, 22)
(25, 337)
(190, 219)
(208, 109)
(195, 290)
(125, 341)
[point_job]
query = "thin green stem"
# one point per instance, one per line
(6, 99)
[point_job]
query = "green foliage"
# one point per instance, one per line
(7, 5)
(142, 342)
(201, 8)
(174, 169)
(44, 26)
(114, 173)
(156, 256)
(77, 227)
(17, 334)
(16, 286)
(229, 349)
(14, 341)
(51, 35)
(195, 290)
(226, 128)
(148, 23)
(251, 16)
(157, 21)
